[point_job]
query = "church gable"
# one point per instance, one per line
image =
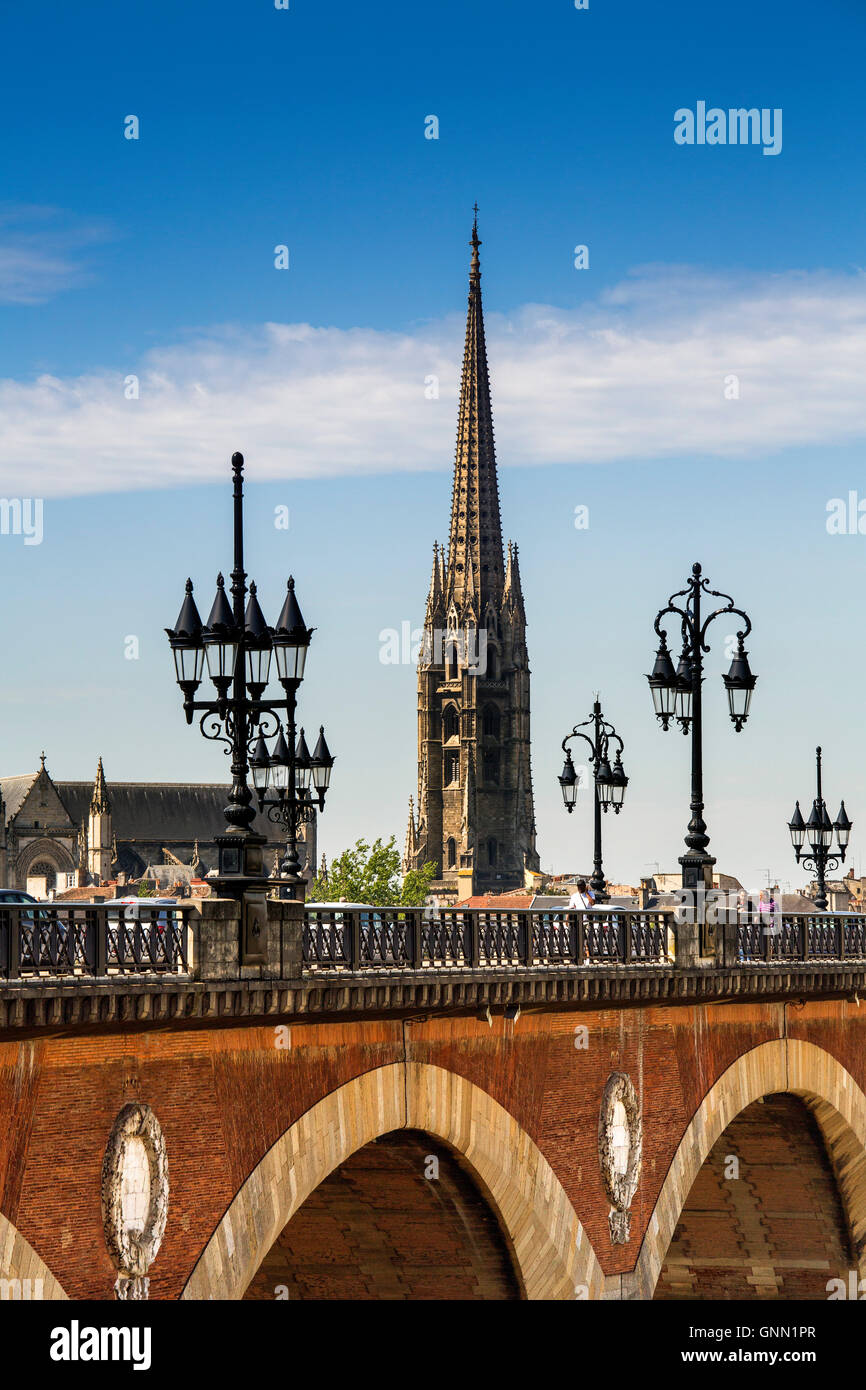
(42, 807)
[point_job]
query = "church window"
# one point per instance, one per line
(491, 853)
(452, 768)
(490, 723)
(43, 869)
(491, 768)
(451, 854)
(451, 662)
(450, 723)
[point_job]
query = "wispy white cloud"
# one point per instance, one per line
(638, 374)
(41, 250)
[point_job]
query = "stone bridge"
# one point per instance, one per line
(658, 1127)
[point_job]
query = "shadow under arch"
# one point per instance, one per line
(20, 1263)
(552, 1256)
(785, 1065)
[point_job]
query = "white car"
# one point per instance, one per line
(131, 910)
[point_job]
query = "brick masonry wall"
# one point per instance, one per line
(225, 1095)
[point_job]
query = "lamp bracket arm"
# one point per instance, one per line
(672, 608)
(214, 728)
(575, 733)
(720, 612)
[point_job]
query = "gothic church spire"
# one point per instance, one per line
(475, 540)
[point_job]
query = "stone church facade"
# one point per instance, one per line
(74, 834)
(475, 816)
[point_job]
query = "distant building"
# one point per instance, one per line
(843, 895)
(61, 835)
(671, 883)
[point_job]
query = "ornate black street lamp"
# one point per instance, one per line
(238, 646)
(272, 774)
(818, 832)
(610, 783)
(677, 695)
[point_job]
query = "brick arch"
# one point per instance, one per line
(551, 1252)
(784, 1066)
(18, 1260)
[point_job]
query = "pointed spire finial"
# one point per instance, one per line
(475, 268)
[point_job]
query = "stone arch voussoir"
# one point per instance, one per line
(552, 1254)
(23, 1275)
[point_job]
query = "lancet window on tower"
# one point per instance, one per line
(491, 722)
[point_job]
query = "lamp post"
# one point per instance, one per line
(818, 831)
(238, 646)
(291, 803)
(677, 695)
(610, 783)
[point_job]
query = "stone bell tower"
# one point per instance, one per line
(475, 816)
(99, 838)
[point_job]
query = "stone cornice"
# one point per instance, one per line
(126, 1002)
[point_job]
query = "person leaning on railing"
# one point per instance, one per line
(583, 896)
(581, 899)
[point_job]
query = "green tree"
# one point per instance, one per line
(371, 874)
(146, 888)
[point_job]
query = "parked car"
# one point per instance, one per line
(129, 910)
(46, 944)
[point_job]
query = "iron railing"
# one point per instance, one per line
(801, 936)
(48, 940)
(52, 939)
(477, 939)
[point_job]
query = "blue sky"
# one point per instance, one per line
(260, 127)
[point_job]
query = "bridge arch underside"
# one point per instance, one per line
(765, 1218)
(498, 1222)
(401, 1218)
(766, 1195)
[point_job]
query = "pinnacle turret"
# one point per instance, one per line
(99, 802)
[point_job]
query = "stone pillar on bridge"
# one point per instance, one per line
(688, 941)
(216, 941)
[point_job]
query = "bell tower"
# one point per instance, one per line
(475, 815)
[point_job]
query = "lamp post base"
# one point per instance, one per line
(241, 863)
(697, 871)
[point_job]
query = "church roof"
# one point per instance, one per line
(161, 812)
(14, 791)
